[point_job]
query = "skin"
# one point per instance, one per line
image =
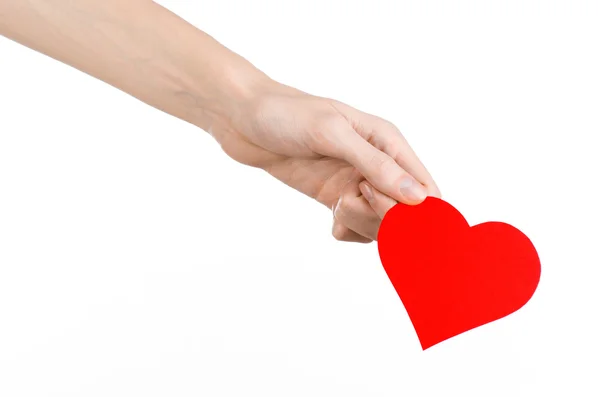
(318, 146)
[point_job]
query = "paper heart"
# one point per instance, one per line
(450, 277)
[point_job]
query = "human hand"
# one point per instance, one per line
(324, 149)
(313, 144)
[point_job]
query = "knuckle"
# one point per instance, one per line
(332, 123)
(389, 126)
(340, 232)
(379, 124)
(377, 160)
(386, 124)
(383, 164)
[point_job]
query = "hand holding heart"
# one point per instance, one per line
(360, 209)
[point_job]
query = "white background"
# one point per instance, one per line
(136, 259)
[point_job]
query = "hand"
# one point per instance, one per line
(324, 148)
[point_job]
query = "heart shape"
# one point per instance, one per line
(450, 277)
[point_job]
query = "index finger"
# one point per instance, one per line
(386, 137)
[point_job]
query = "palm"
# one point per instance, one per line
(323, 178)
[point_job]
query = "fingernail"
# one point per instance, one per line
(412, 190)
(366, 191)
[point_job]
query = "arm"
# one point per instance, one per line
(319, 146)
(139, 47)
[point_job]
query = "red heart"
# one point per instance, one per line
(451, 277)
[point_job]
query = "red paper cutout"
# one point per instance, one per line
(450, 277)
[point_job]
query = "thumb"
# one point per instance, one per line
(381, 170)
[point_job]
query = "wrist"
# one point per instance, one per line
(238, 85)
(219, 88)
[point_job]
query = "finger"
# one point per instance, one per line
(378, 201)
(381, 170)
(356, 214)
(387, 137)
(342, 233)
(353, 211)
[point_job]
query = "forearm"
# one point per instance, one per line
(140, 48)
